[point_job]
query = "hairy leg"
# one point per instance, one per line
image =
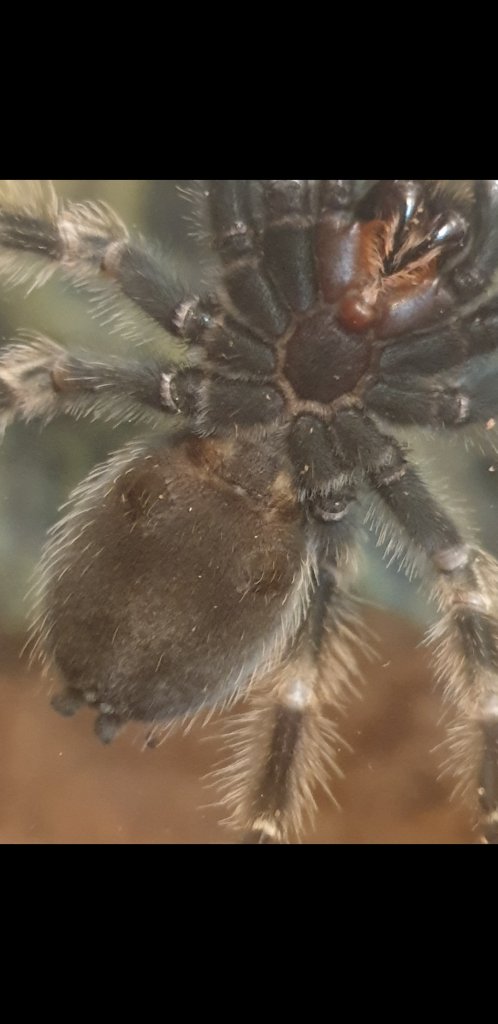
(39, 379)
(436, 351)
(433, 403)
(286, 745)
(39, 233)
(249, 288)
(466, 591)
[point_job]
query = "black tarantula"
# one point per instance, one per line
(213, 563)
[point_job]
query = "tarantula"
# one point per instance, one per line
(212, 562)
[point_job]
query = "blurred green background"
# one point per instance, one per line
(39, 468)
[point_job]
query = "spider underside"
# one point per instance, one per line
(213, 562)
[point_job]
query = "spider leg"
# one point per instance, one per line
(408, 401)
(269, 264)
(293, 740)
(466, 641)
(39, 379)
(91, 243)
(286, 745)
(472, 276)
(336, 247)
(435, 351)
(288, 240)
(466, 590)
(325, 485)
(236, 350)
(250, 290)
(220, 405)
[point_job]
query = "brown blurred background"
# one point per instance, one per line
(57, 784)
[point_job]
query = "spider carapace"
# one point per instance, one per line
(212, 561)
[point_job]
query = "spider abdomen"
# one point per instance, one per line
(155, 604)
